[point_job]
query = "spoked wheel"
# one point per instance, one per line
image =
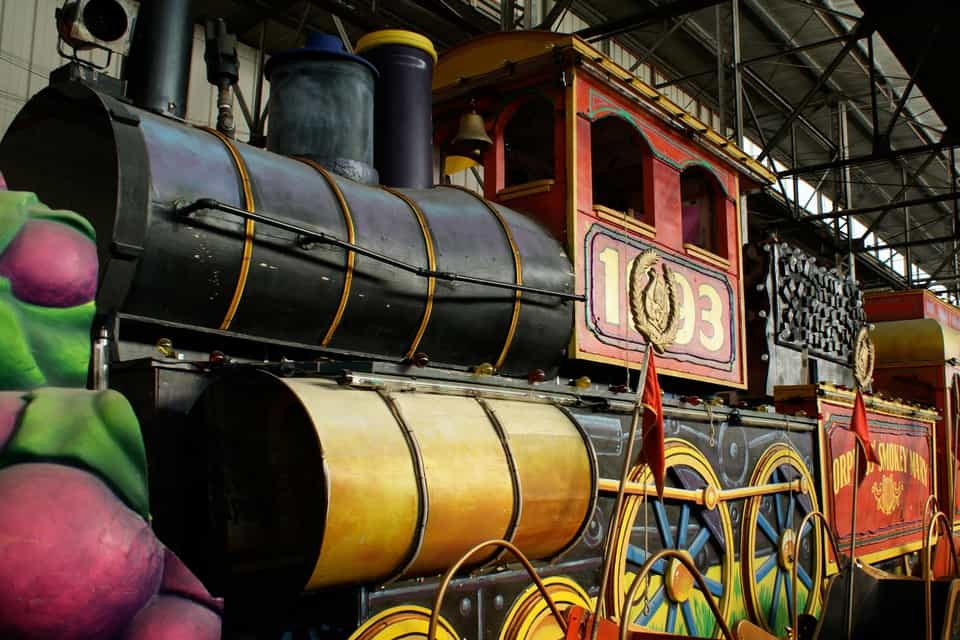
(406, 622)
(673, 602)
(770, 546)
(530, 617)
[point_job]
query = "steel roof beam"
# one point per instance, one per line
(943, 265)
(906, 244)
(760, 86)
(836, 26)
(459, 13)
(862, 30)
(902, 102)
(822, 9)
(656, 45)
(558, 9)
(507, 8)
(644, 16)
(903, 190)
(264, 13)
(859, 211)
(870, 157)
(813, 66)
(797, 49)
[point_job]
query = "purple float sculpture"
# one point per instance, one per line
(78, 558)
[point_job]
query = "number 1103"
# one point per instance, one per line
(706, 305)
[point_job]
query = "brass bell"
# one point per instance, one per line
(471, 139)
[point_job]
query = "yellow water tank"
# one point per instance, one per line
(324, 484)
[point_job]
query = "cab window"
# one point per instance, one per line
(528, 143)
(701, 211)
(616, 155)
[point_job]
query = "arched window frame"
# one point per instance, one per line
(721, 201)
(505, 118)
(643, 221)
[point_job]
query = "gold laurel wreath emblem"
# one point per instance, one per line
(654, 301)
(887, 494)
(864, 354)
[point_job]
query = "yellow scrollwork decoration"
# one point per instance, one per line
(863, 358)
(887, 493)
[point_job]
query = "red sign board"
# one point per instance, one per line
(892, 495)
(707, 345)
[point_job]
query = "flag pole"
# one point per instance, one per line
(853, 536)
(621, 490)
(855, 486)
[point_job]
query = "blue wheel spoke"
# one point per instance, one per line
(775, 601)
(672, 617)
(682, 527)
(788, 583)
(767, 529)
(765, 568)
(663, 524)
(638, 556)
(699, 541)
(689, 620)
(790, 510)
(804, 577)
(655, 603)
(781, 521)
(713, 586)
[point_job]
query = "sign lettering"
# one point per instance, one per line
(705, 300)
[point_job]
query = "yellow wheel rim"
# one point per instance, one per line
(768, 539)
(663, 612)
(530, 617)
(406, 622)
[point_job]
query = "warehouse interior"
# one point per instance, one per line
(847, 101)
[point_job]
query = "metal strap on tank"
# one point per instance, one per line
(518, 271)
(248, 227)
(431, 264)
(514, 523)
(351, 238)
(423, 508)
(594, 481)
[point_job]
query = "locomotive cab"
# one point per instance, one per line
(612, 168)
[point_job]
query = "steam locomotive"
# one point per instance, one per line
(347, 376)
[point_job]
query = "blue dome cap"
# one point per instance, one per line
(330, 43)
(321, 46)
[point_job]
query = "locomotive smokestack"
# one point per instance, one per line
(403, 115)
(159, 64)
(321, 107)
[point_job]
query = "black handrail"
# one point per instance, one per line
(186, 209)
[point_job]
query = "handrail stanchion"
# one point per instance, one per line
(793, 572)
(522, 559)
(938, 517)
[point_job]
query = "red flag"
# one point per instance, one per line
(860, 428)
(652, 444)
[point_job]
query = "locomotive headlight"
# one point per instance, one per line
(100, 24)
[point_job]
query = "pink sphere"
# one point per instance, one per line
(174, 618)
(75, 562)
(51, 264)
